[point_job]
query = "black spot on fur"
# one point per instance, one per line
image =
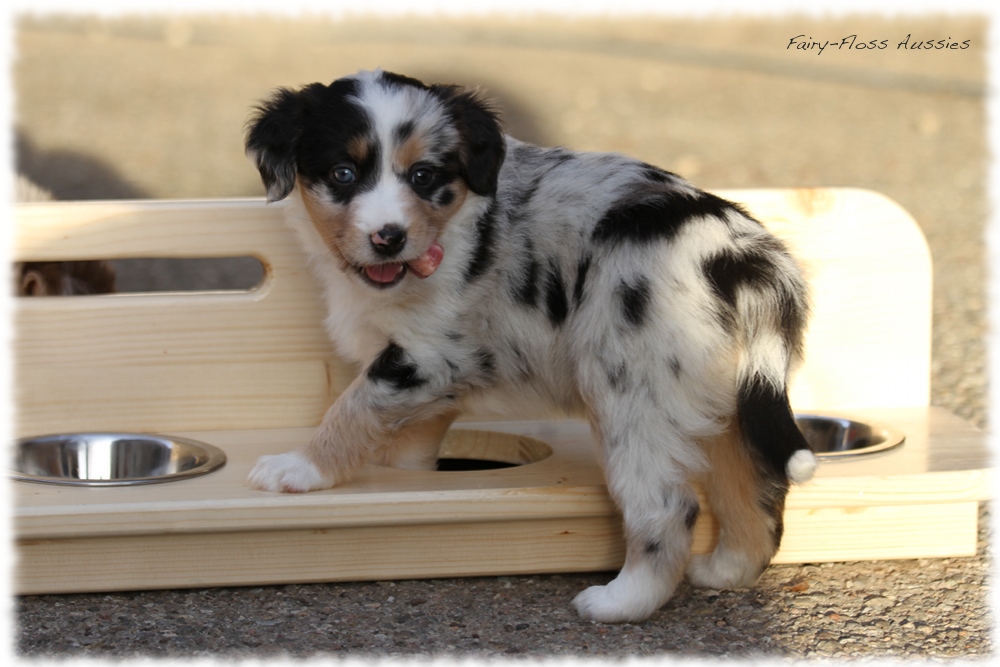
(556, 156)
(658, 218)
(445, 197)
(653, 547)
(487, 363)
(769, 425)
(618, 377)
(675, 367)
(779, 530)
(393, 365)
(403, 131)
(527, 293)
(771, 499)
(524, 288)
(482, 254)
(519, 201)
(729, 271)
(556, 303)
(635, 301)
(692, 515)
(536, 158)
(675, 500)
(581, 278)
(657, 175)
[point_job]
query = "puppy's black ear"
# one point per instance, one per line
(483, 142)
(272, 139)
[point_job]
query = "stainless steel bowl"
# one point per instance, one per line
(836, 437)
(112, 459)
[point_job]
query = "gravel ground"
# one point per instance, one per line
(722, 102)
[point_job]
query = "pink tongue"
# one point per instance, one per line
(383, 273)
(427, 263)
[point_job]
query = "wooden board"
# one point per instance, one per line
(553, 515)
(260, 359)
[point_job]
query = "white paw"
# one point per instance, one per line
(614, 603)
(722, 569)
(291, 472)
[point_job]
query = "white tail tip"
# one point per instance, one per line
(801, 466)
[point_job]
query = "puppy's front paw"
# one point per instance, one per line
(291, 472)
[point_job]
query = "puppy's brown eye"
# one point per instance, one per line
(422, 177)
(343, 175)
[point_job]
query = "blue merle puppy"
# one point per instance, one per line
(466, 270)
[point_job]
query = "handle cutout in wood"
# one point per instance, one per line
(139, 276)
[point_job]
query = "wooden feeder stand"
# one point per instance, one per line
(252, 373)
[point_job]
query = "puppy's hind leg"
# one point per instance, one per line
(752, 464)
(659, 509)
(748, 503)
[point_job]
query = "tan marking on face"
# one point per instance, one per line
(358, 149)
(332, 222)
(409, 153)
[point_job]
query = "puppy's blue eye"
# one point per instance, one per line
(343, 175)
(422, 177)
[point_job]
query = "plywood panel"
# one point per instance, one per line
(868, 344)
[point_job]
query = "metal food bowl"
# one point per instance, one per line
(112, 459)
(836, 437)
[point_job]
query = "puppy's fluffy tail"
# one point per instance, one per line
(768, 426)
(772, 323)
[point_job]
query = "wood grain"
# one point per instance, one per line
(201, 361)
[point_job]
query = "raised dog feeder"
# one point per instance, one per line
(112, 459)
(252, 373)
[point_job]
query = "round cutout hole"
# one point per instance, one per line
(468, 450)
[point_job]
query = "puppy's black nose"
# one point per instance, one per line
(389, 240)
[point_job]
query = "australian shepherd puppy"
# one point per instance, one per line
(466, 270)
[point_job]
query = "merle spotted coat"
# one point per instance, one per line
(466, 270)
